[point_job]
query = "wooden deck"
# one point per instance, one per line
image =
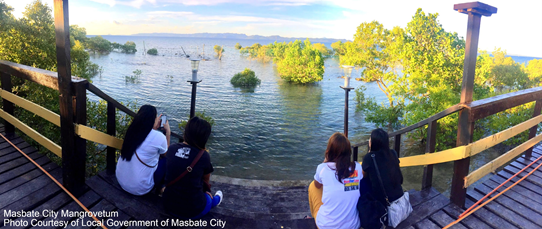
(254, 204)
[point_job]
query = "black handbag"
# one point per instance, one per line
(372, 213)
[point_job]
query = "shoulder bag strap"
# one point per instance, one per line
(188, 169)
(380, 178)
(145, 164)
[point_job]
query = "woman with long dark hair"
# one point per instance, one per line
(334, 193)
(140, 167)
(188, 193)
(388, 165)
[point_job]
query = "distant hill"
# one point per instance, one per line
(238, 36)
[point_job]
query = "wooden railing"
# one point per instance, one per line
(82, 132)
(476, 111)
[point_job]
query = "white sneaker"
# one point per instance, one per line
(219, 193)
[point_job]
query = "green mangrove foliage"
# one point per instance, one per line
(326, 52)
(246, 78)
(133, 78)
(500, 74)
(30, 40)
(302, 63)
(238, 46)
(419, 69)
(219, 50)
(152, 51)
(129, 47)
(99, 44)
(297, 62)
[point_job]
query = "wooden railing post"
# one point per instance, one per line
(8, 106)
(532, 132)
(427, 180)
(355, 154)
(397, 144)
(474, 10)
(80, 117)
(72, 178)
(111, 130)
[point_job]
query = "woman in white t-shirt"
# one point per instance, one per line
(141, 165)
(334, 193)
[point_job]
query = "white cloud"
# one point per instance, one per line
(132, 3)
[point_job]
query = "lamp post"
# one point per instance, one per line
(347, 88)
(194, 81)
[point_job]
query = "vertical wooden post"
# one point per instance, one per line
(111, 130)
(475, 10)
(397, 144)
(8, 106)
(79, 158)
(355, 154)
(427, 180)
(532, 132)
(70, 171)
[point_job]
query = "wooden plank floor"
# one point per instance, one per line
(249, 205)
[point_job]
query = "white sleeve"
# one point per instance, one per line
(161, 143)
(360, 170)
(317, 174)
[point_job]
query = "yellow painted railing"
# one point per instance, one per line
(477, 147)
(50, 145)
(83, 131)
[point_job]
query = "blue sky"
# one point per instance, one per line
(516, 28)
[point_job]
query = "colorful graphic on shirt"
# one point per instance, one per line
(183, 153)
(354, 174)
(352, 182)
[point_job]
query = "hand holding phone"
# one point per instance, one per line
(163, 120)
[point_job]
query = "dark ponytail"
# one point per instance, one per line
(138, 130)
(380, 142)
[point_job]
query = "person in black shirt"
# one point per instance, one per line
(388, 164)
(190, 196)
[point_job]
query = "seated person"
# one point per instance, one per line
(140, 167)
(188, 193)
(334, 193)
(388, 165)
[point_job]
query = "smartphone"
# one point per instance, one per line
(163, 118)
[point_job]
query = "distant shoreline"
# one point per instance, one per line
(232, 36)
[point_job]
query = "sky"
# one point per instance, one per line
(515, 28)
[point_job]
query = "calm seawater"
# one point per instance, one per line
(277, 131)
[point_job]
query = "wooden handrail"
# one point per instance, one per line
(36, 109)
(36, 75)
(107, 98)
(477, 110)
(50, 145)
(504, 135)
(486, 107)
(500, 161)
(81, 130)
(442, 114)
